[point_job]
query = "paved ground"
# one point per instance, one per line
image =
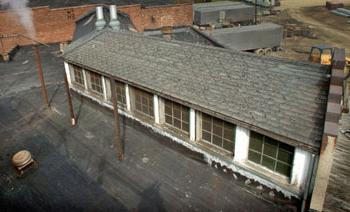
(78, 169)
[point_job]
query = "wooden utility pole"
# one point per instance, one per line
(41, 76)
(69, 98)
(116, 118)
(255, 13)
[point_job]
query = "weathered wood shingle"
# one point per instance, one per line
(282, 97)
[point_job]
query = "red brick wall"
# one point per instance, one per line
(157, 17)
(51, 25)
(58, 25)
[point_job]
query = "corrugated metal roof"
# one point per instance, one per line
(265, 35)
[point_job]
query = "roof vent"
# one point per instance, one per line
(22, 161)
(114, 23)
(100, 22)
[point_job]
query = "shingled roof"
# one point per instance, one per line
(279, 98)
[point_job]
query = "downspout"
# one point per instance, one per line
(308, 182)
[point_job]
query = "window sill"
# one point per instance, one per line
(143, 116)
(267, 174)
(78, 86)
(174, 131)
(95, 94)
(212, 148)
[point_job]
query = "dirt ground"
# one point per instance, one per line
(325, 28)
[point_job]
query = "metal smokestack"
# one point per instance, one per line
(100, 22)
(114, 23)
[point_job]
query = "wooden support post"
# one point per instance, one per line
(70, 105)
(117, 124)
(41, 76)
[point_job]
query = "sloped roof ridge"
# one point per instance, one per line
(83, 40)
(270, 58)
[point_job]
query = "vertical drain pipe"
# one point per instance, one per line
(100, 22)
(308, 183)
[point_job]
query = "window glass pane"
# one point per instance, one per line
(78, 75)
(177, 123)
(268, 162)
(217, 140)
(151, 111)
(119, 98)
(144, 100)
(228, 133)
(176, 106)
(217, 121)
(285, 156)
(150, 103)
(228, 145)
(206, 117)
(168, 103)
(286, 147)
(271, 141)
(168, 110)
(137, 97)
(253, 156)
(185, 114)
(168, 119)
(185, 127)
(206, 125)
(145, 109)
(270, 150)
(217, 129)
(176, 112)
(206, 136)
(255, 141)
(283, 169)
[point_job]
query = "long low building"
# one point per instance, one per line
(262, 117)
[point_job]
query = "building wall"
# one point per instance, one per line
(157, 17)
(238, 161)
(51, 25)
(58, 25)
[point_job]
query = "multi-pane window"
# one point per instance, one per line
(271, 154)
(120, 92)
(144, 102)
(96, 82)
(78, 75)
(218, 132)
(177, 115)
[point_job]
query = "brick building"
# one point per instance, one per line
(57, 25)
(263, 121)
